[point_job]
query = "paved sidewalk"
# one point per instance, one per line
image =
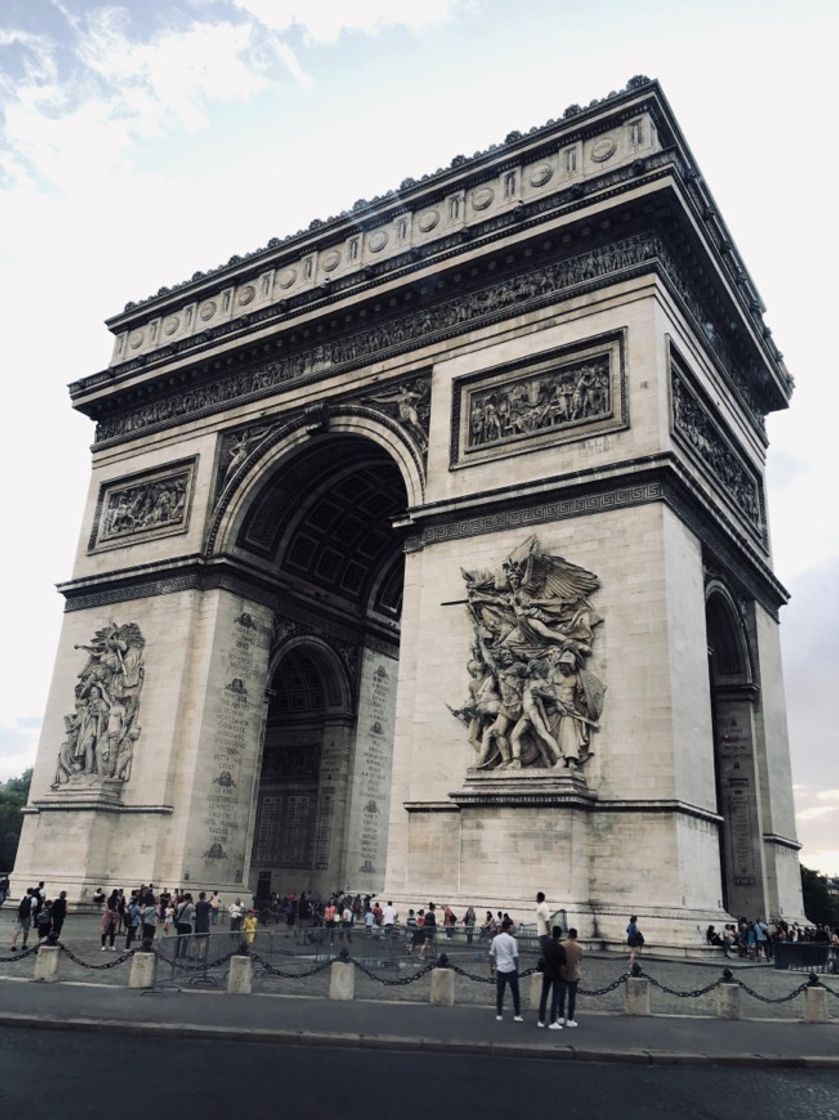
(313, 1021)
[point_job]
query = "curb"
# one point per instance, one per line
(415, 1044)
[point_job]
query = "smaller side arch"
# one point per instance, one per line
(336, 679)
(729, 649)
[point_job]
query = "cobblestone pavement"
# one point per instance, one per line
(390, 962)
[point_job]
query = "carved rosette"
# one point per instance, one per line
(103, 730)
(532, 705)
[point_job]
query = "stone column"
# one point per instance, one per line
(143, 970)
(442, 987)
(636, 1000)
(341, 980)
(46, 963)
(240, 977)
(815, 1004)
(728, 1001)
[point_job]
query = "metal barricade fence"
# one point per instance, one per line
(806, 956)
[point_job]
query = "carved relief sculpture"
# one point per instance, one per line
(133, 509)
(411, 406)
(532, 701)
(103, 730)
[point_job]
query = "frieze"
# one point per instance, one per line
(143, 506)
(560, 395)
(424, 325)
(694, 427)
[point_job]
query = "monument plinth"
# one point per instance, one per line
(426, 555)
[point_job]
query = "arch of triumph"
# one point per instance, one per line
(426, 553)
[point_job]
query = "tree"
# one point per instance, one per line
(820, 905)
(13, 795)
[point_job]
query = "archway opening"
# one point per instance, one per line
(732, 697)
(324, 524)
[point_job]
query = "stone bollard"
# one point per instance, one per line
(636, 997)
(143, 970)
(536, 990)
(341, 980)
(815, 1005)
(728, 1001)
(442, 987)
(240, 976)
(46, 963)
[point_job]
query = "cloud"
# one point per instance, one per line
(325, 21)
(18, 743)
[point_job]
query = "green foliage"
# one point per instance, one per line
(820, 906)
(13, 795)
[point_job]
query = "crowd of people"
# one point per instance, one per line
(755, 939)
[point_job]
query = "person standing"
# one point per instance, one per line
(330, 912)
(237, 914)
(43, 922)
(184, 917)
(430, 927)
(215, 907)
(110, 917)
(569, 979)
(504, 952)
(148, 918)
(59, 913)
(543, 921)
(389, 917)
(23, 919)
(634, 938)
(133, 917)
(469, 920)
(203, 910)
(553, 958)
(4, 888)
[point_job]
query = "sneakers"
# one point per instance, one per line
(555, 1027)
(499, 1018)
(518, 1019)
(102, 950)
(571, 1023)
(540, 1024)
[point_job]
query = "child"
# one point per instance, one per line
(249, 927)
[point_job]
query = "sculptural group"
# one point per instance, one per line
(532, 702)
(103, 729)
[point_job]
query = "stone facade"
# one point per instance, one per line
(443, 526)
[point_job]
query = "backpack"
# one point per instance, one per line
(24, 909)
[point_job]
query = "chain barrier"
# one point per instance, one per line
(196, 966)
(402, 982)
(21, 956)
(268, 968)
(772, 999)
(693, 993)
(607, 989)
(472, 976)
(121, 959)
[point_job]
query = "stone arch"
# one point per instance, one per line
(336, 679)
(284, 442)
(729, 649)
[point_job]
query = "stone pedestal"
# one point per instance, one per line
(815, 1005)
(728, 1001)
(442, 987)
(240, 977)
(46, 963)
(637, 996)
(143, 970)
(535, 990)
(341, 980)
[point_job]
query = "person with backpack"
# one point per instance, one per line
(43, 921)
(184, 918)
(23, 920)
(59, 913)
(634, 938)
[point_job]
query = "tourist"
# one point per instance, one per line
(430, 927)
(449, 921)
(237, 914)
(369, 923)
(59, 913)
(133, 918)
(389, 916)
(761, 938)
(569, 980)
(4, 888)
(23, 919)
(553, 957)
(488, 929)
(634, 938)
(330, 912)
(184, 918)
(148, 918)
(469, 921)
(543, 920)
(215, 908)
(249, 926)
(99, 896)
(110, 917)
(504, 953)
(418, 937)
(203, 910)
(43, 921)
(346, 924)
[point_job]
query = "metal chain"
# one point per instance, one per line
(401, 982)
(472, 976)
(98, 967)
(21, 956)
(770, 999)
(197, 966)
(604, 991)
(695, 993)
(272, 971)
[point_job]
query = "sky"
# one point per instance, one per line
(142, 141)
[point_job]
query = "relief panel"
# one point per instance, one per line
(143, 506)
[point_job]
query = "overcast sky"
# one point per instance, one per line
(142, 141)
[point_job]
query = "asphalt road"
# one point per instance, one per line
(69, 1075)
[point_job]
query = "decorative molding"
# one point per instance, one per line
(694, 424)
(524, 291)
(559, 396)
(144, 506)
(781, 841)
(47, 805)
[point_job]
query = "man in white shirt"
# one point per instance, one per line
(389, 917)
(543, 920)
(504, 952)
